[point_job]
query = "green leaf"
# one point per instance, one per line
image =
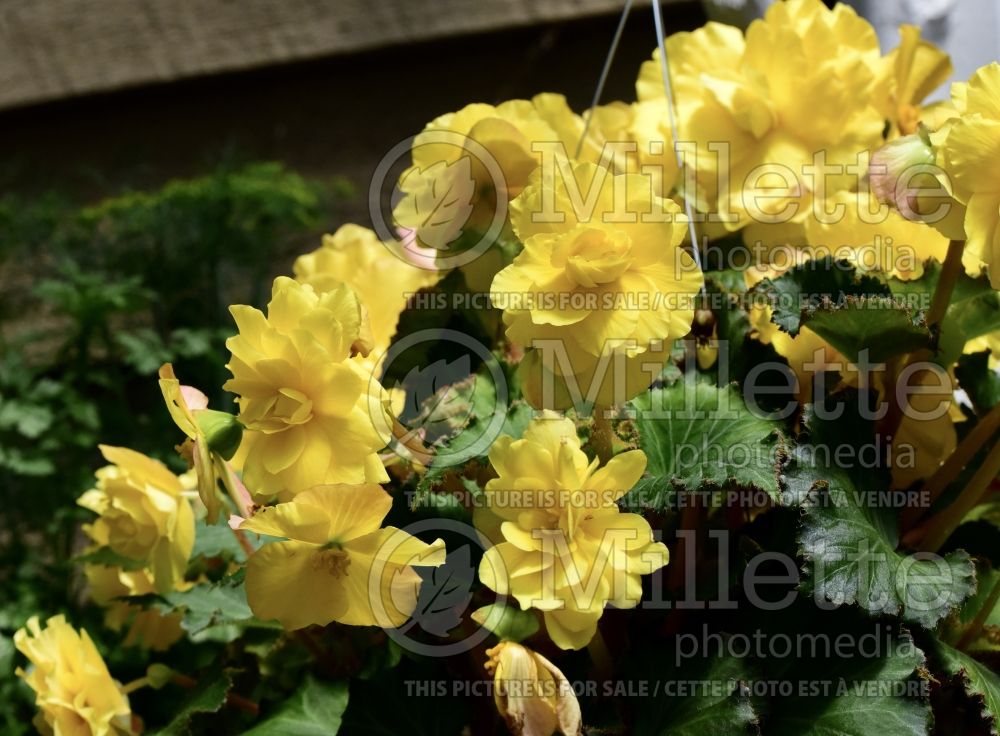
(699, 436)
(315, 709)
(817, 282)
(216, 540)
(218, 611)
(29, 420)
(718, 704)
(880, 325)
(849, 538)
(208, 697)
(875, 690)
(507, 622)
(980, 682)
(143, 350)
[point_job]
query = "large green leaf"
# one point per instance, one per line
(980, 682)
(849, 539)
(875, 690)
(707, 696)
(699, 436)
(818, 282)
(879, 325)
(315, 709)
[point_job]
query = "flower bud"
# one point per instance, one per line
(910, 155)
(531, 693)
(223, 432)
(158, 675)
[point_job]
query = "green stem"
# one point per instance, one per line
(950, 271)
(950, 468)
(936, 530)
(131, 687)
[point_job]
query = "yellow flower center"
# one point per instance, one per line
(291, 407)
(332, 561)
(597, 256)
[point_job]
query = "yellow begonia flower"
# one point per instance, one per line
(885, 242)
(467, 165)
(800, 81)
(909, 73)
(601, 289)
(567, 549)
(338, 564)
(147, 627)
(313, 413)
(143, 514)
(532, 694)
(74, 691)
(375, 271)
(210, 467)
(970, 154)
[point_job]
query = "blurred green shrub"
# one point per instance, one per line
(92, 301)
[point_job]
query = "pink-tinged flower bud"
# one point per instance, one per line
(896, 167)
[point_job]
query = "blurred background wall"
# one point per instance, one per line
(97, 95)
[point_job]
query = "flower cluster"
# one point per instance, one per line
(581, 234)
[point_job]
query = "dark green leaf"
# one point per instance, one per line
(315, 709)
(808, 286)
(705, 696)
(849, 538)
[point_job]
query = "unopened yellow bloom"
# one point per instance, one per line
(337, 563)
(970, 155)
(567, 549)
(532, 694)
(74, 692)
(601, 289)
(143, 514)
(146, 627)
(801, 81)
(377, 272)
(313, 411)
